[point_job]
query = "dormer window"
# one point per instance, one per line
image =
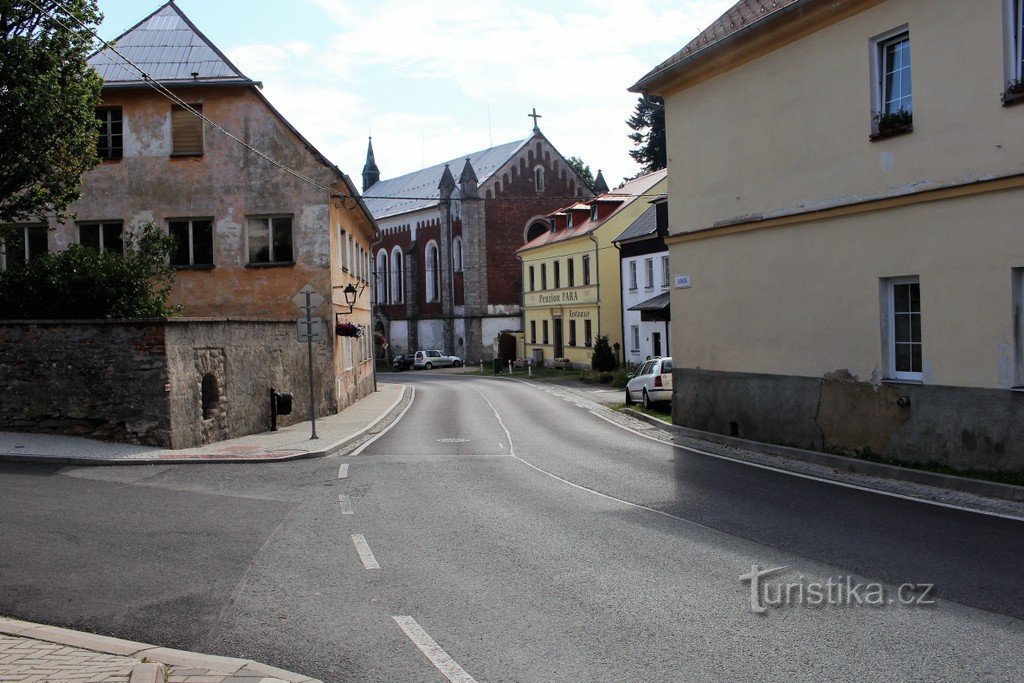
(593, 212)
(568, 221)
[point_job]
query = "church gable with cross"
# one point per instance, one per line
(447, 273)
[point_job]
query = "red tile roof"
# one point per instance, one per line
(745, 14)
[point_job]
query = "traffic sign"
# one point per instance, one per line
(309, 330)
(308, 298)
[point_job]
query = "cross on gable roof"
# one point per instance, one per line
(171, 49)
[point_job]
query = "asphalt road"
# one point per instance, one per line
(516, 536)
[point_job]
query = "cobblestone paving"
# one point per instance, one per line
(24, 659)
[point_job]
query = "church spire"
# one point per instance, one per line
(600, 185)
(371, 174)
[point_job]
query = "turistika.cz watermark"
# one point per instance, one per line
(843, 591)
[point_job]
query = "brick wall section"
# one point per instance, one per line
(97, 379)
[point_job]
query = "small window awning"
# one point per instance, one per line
(655, 309)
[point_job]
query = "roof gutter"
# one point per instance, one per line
(658, 75)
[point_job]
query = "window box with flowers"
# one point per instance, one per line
(348, 330)
(561, 363)
(891, 123)
(1014, 93)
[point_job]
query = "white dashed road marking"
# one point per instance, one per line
(343, 471)
(346, 504)
(365, 554)
(437, 656)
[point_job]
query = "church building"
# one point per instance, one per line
(446, 272)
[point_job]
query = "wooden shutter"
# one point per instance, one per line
(187, 130)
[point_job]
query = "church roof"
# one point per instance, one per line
(418, 190)
(745, 15)
(171, 49)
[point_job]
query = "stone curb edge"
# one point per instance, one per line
(324, 452)
(128, 648)
(945, 481)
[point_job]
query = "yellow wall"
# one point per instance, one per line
(788, 133)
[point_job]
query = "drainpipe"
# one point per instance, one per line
(622, 311)
(597, 279)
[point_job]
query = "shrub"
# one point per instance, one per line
(603, 357)
(620, 377)
(85, 283)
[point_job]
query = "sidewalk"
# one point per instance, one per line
(33, 652)
(288, 443)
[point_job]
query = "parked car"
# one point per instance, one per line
(652, 383)
(404, 362)
(435, 359)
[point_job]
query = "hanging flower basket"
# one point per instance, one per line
(348, 330)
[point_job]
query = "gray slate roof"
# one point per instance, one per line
(418, 190)
(170, 49)
(646, 224)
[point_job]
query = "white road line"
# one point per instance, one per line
(345, 504)
(412, 398)
(365, 554)
(508, 435)
(437, 656)
(343, 471)
(844, 484)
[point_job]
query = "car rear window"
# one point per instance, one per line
(666, 366)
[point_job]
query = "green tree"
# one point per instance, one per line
(603, 357)
(648, 124)
(48, 96)
(582, 170)
(85, 283)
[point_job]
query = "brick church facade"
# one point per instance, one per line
(447, 274)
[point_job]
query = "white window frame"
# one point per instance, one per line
(382, 277)
(585, 267)
(457, 254)
(632, 276)
(25, 243)
(270, 218)
(889, 300)
(665, 278)
(649, 273)
(878, 65)
(192, 241)
(102, 225)
(1013, 12)
(634, 331)
(397, 276)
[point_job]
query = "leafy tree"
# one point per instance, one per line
(582, 170)
(603, 357)
(86, 283)
(648, 124)
(48, 95)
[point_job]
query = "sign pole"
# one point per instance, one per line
(309, 349)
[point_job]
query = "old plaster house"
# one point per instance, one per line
(250, 233)
(446, 270)
(853, 227)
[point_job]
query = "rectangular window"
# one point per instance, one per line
(544, 327)
(110, 143)
(532, 282)
(103, 236)
(533, 331)
(905, 345)
(649, 273)
(270, 239)
(1018, 327)
(543, 276)
(26, 243)
(586, 270)
(588, 337)
(664, 271)
(634, 331)
(632, 275)
(342, 244)
(1018, 27)
(571, 271)
(558, 274)
(893, 78)
(1014, 46)
(572, 333)
(186, 131)
(193, 242)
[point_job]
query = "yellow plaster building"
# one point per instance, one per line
(847, 245)
(571, 283)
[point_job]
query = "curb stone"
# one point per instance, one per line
(843, 463)
(159, 657)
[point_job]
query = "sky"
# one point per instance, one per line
(434, 80)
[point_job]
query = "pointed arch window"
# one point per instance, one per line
(433, 272)
(397, 277)
(382, 277)
(538, 178)
(457, 254)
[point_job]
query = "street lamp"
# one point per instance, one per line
(351, 293)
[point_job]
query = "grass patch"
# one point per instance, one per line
(657, 411)
(997, 476)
